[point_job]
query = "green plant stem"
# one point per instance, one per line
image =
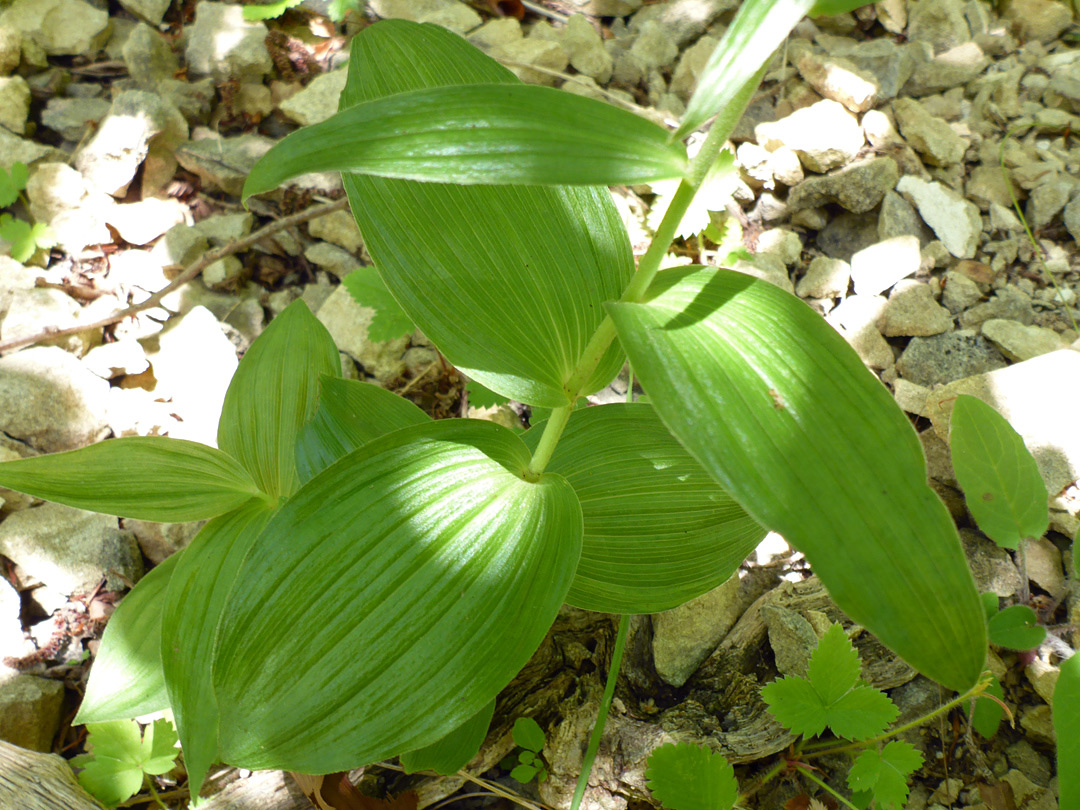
(176, 793)
(826, 788)
(649, 265)
(601, 718)
(154, 793)
(550, 437)
(763, 780)
(824, 749)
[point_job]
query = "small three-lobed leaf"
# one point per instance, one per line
(1016, 628)
(830, 694)
(685, 776)
(119, 758)
(884, 774)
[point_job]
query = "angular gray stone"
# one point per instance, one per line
(931, 361)
(59, 27)
(683, 20)
(825, 278)
(880, 266)
(586, 49)
(955, 220)
(142, 222)
(839, 79)
(847, 234)
(123, 138)
(70, 550)
(654, 47)
(1041, 20)
(30, 710)
(606, 8)
(224, 45)
(939, 23)
(348, 322)
(858, 187)
(150, 10)
(1009, 303)
(855, 318)
(931, 137)
(148, 57)
(318, 101)
(221, 229)
(1045, 202)
(824, 135)
(952, 68)
(1072, 218)
(10, 49)
(913, 312)
(14, 103)
(331, 258)
(224, 162)
(452, 14)
(1019, 342)
(338, 227)
(898, 217)
(986, 186)
(684, 637)
(691, 64)
(959, 292)
(71, 116)
(542, 53)
(50, 401)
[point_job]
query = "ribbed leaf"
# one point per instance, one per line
(143, 477)
(350, 414)
(126, 679)
(415, 576)
(1067, 731)
(526, 267)
(827, 8)
(193, 606)
(479, 134)
(659, 531)
(452, 752)
(274, 392)
(757, 31)
(1002, 485)
(781, 411)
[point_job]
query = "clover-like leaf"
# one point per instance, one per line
(118, 757)
(528, 734)
(830, 695)
(885, 773)
(524, 773)
(690, 777)
(390, 321)
(1016, 628)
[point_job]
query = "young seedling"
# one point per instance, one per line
(23, 237)
(530, 738)
(120, 760)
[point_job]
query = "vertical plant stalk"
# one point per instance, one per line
(605, 705)
(826, 788)
(649, 265)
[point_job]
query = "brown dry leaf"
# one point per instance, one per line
(507, 8)
(998, 797)
(334, 791)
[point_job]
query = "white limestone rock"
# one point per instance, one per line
(955, 220)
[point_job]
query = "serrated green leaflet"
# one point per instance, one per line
(126, 679)
(478, 134)
(113, 770)
(757, 31)
(885, 773)
(274, 392)
(390, 321)
(193, 605)
(1067, 730)
(527, 267)
(452, 752)
(658, 530)
(1016, 628)
(780, 410)
(143, 477)
(834, 665)
(691, 777)
(350, 414)
(430, 531)
(1002, 485)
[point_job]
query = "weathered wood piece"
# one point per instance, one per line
(33, 781)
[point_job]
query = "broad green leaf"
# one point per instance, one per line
(528, 734)
(990, 604)
(659, 531)
(1067, 730)
(416, 576)
(780, 410)
(390, 321)
(757, 31)
(143, 477)
(1002, 485)
(453, 752)
(480, 397)
(528, 268)
(886, 773)
(987, 714)
(126, 678)
(194, 603)
(350, 414)
(274, 392)
(524, 773)
(827, 8)
(1016, 628)
(270, 11)
(685, 776)
(478, 134)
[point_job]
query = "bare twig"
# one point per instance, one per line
(187, 275)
